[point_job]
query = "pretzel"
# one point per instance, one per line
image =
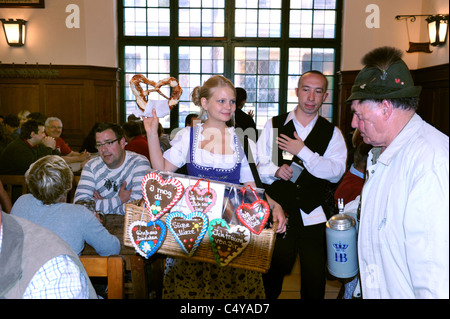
(141, 95)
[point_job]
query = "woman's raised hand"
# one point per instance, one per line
(151, 123)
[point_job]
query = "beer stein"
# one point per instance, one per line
(341, 238)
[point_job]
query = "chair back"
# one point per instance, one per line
(111, 267)
(16, 182)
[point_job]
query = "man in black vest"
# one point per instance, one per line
(300, 153)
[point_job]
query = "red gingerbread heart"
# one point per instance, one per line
(254, 216)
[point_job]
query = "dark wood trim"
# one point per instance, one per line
(22, 4)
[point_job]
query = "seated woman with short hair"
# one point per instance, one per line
(49, 179)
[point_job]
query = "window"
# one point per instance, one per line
(258, 19)
(257, 69)
(261, 45)
(196, 65)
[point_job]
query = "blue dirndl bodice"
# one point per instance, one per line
(231, 175)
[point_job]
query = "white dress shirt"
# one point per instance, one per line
(331, 166)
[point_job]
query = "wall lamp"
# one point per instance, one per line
(15, 31)
(437, 29)
(437, 26)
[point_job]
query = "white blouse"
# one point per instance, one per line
(178, 153)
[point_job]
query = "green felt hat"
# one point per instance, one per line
(385, 76)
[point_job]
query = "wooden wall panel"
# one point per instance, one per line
(79, 95)
(67, 103)
(103, 95)
(434, 99)
(14, 97)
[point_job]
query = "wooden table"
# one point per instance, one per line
(133, 261)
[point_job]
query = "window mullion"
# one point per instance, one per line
(284, 56)
(229, 35)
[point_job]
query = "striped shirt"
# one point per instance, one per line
(96, 176)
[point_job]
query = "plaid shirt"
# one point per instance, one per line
(59, 278)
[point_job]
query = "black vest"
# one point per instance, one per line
(308, 192)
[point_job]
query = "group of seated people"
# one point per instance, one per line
(25, 141)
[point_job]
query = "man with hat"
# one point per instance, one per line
(403, 245)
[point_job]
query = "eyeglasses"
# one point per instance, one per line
(107, 143)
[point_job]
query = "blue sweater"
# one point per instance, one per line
(74, 223)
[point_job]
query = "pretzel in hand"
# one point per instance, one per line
(141, 95)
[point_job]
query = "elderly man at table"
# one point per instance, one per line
(403, 246)
(53, 128)
(49, 179)
(113, 178)
(28, 271)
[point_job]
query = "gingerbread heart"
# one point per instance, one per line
(227, 242)
(160, 195)
(147, 237)
(254, 216)
(200, 200)
(188, 230)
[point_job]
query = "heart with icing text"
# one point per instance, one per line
(147, 237)
(160, 195)
(227, 242)
(254, 216)
(188, 230)
(200, 200)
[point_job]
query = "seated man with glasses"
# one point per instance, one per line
(53, 128)
(113, 178)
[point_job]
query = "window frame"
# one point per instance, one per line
(230, 42)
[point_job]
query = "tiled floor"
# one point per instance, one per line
(291, 286)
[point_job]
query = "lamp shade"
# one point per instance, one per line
(437, 29)
(15, 31)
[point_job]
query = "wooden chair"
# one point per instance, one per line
(111, 267)
(14, 181)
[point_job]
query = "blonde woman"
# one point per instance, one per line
(211, 150)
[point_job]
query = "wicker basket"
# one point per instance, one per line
(256, 256)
